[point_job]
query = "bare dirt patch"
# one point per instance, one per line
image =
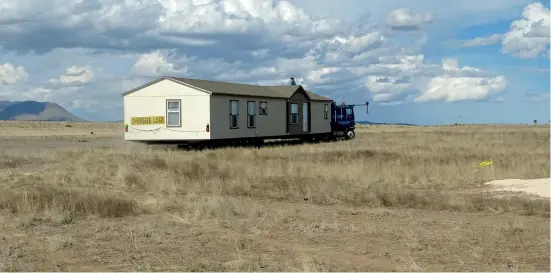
(538, 187)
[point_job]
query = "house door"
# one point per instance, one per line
(305, 117)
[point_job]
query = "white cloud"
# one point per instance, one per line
(153, 64)
(528, 37)
(452, 88)
(356, 44)
(10, 74)
(386, 89)
(232, 16)
(320, 76)
(75, 75)
(38, 93)
(147, 25)
(483, 41)
(403, 63)
(405, 19)
(249, 41)
(18, 93)
(452, 64)
(479, 12)
(409, 78)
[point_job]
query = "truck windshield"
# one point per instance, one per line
(345, 113)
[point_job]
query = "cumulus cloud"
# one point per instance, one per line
(410, 78)
(248, 41)
(386, 79)
(528, 37)
(452, 88)
(75, 75)
(404, 19)
(452, 64)
(230, 16)
(19, 93)
(37, 93)
(10, 74)
(386, 89)
(229, 26)
(153, 64)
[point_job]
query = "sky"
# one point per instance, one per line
(424, 62)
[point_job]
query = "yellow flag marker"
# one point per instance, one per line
(484, 164)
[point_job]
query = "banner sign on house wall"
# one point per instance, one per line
(147, 120)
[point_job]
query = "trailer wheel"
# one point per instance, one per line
(350, 134)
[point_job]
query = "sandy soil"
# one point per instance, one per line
(538, 187)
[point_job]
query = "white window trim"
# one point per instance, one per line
(179, 111)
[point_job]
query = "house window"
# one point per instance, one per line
(173, 113)
(263, 108)
(251, 105)
(234, 114)
(294, 113)
(326, 111)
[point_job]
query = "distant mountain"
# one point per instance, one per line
(34, 110)
(375, 123)
(4, 104)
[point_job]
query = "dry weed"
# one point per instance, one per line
(250, 199)
(65, 201)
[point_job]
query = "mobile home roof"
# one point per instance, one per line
(238, 89)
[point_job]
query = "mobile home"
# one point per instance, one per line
(180, 110)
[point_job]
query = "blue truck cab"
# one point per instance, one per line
(343, 121)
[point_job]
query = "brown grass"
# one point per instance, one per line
(395, 198)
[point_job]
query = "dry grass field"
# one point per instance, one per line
(393, 199)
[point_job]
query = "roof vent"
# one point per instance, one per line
(293, 81)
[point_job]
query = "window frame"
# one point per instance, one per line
(249, 114)
(179, 101)
(237, 115)
(260, 108)
(291, 114)
(326, 111)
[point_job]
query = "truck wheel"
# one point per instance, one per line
(350, 134)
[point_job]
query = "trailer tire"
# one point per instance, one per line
(350, 134)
